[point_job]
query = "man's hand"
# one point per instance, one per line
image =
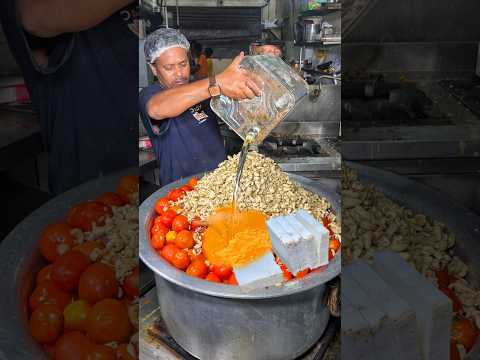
(237, 83)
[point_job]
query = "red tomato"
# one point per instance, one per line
(167, 218)
(157, 240)
(55, 240)
(181, 260)
(186, 188)
(75, 315)
(444, 278)
(464, 332)
(128, 185)
(158, 227)
(44, 274)
(108, 321)
(98, 282)
(194, 257)
(302, 273)
(83, 215)
(179, 223)
(68, 268)
(176, 208)
(196, 223)
(168, 252)
(213, 278)
(48, 292)
(334, 244)
(131, 284)
(184, 239)
(457, 305)
(192, 182)
(112, 199)
(454, 354)
(222, 271)
(101, 352)
(162, 205)
(72, 346)
(197, 268)
(287, 275)
(331, 254)
(169, 193)
(176, 195)
(232, 280)
(46, 323)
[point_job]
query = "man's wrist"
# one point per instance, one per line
(214, 88)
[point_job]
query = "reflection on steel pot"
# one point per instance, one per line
(217, 322)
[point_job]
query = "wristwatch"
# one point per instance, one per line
(214, 88)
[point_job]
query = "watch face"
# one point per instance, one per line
(214, 90)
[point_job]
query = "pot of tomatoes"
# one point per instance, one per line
(59, 301)
(204, 309)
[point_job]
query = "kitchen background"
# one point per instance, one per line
(306, 141)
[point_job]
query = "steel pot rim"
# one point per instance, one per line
(162, 268)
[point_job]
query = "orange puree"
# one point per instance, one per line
(237, 245)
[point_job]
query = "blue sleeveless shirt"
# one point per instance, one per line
(184, 145)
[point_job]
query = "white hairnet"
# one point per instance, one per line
(161, 40)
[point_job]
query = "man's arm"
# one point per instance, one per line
(233, 81)
(172, 102)
(49, 18)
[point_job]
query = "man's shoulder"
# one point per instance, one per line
(149, 91)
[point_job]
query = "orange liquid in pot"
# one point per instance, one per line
(239, 242)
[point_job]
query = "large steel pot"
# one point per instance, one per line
(20, 261)
(219, 322)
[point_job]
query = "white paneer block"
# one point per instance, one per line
(433, 309)
(299, 240)
(320, 232)
(381, 329)
(357, 339)
(400, 319)
(287, 244)
(259, 273)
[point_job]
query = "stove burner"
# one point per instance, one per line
(377, 103)
(291, 148)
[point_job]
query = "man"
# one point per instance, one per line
(177, 114)
(78, 61)
(266, 47)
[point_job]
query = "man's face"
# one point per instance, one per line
(172, 67)
(269, 50)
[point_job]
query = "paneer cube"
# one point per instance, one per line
(299, 240)
(259, 273)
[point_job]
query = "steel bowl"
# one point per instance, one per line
(21, 260)
(216, 322)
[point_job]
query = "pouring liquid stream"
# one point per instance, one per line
(249, 139)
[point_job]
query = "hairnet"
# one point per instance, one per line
(161, 40)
